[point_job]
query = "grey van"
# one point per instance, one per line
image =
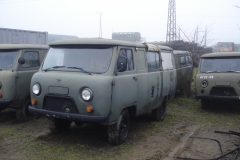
(99, 80)
(18, 62)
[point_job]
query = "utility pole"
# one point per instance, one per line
(171, 22)
(205, 36)
(100, 25)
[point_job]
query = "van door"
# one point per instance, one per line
(185, 70)
(179, 72)
(169, 74)
(143, 103)
(153, 60)
(25, 73)
(173, 78)
(124, 83)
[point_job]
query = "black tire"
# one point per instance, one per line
(23, 113)
(58, 125)
(159, 113)
(78, 123)
(205, 103)
(187, 90)
(117, 133)
(2, 108)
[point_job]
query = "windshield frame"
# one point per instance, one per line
(76, 68)
(220, 67)
(15, 61)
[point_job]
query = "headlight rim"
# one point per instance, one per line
(91, 94)
(39, 86)
(204, 86)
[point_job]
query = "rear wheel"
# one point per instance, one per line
(58, 125)
(118, 132)
(23, 113)
(159, 113)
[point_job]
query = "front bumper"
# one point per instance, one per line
(69, 116)
(218, 97)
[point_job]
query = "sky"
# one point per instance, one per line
(220, 18)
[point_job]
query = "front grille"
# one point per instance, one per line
(60, 104)
(223, 91)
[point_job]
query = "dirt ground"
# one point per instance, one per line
(147, 139)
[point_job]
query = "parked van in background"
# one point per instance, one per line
(99, 80)
(218, 78)
(184, 66)
(18, 62)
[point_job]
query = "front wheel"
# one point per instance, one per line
(2, 108)
(58, 125)
(118, 132)
(159, 113)
(23, 114)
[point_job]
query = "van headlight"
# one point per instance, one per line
(87, 94)
(36, 89)
(204, 83)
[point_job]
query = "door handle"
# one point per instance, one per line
(135, 78)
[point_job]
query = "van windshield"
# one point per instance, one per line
(210, 65)
(91, 60)
(7, 59)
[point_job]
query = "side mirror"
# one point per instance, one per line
(122, 64)
(21, 60)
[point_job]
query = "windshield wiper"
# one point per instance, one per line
(54, 67)
(233, 71)
(81, 69)
(213, 71)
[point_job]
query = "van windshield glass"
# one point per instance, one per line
(220, 65)
(90, 60)
(7, 59)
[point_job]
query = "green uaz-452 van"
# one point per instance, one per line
(99, 80)
(18, 62)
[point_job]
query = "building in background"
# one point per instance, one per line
(127, 36)
(225, 47)
(17, 36)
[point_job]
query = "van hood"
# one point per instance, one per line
(71, 84)
(218, 80)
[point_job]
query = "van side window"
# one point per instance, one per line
(182, 60)
(189, 60)
(167, 61)
(153, 59)
(31, 59)
(128, 54)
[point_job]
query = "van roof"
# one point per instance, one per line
(96, 41)
(23, 46)
(180, 52)
(165, 48)
(221, 54)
